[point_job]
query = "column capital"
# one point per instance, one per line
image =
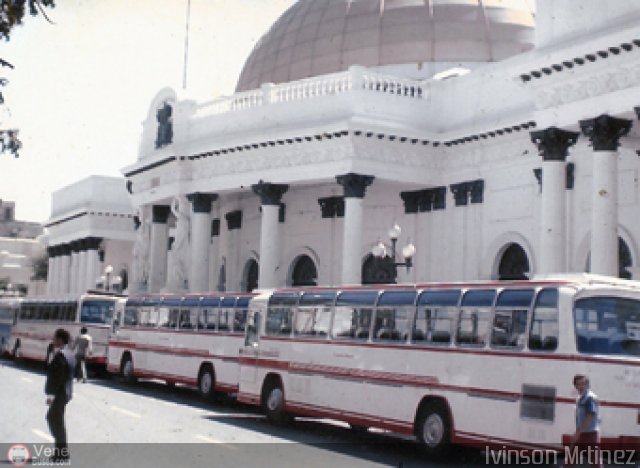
(160, 213)
(52, 251)
(355, 185)
(93, 243)
(605, 131)
(553, 142)
(270, 194)
(201, 202)
(64, 249)
(75, 245)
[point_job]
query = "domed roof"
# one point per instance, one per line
(316, 37)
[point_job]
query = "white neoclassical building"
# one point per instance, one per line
(91, 228)
(500, 135)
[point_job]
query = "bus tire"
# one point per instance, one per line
(273, 402)
(207, 383)
(127, 369)
(433, 429)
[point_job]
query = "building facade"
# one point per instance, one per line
(91, 228)
(503, 147)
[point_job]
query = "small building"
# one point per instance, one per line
(91, 228)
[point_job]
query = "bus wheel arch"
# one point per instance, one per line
(273, 399)
(433, 425)
(126, 367)
(206, 380)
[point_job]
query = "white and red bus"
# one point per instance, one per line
(37, 319)
(9, 308)
(192, 340)
(481, 363)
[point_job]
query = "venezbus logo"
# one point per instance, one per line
(18, 455)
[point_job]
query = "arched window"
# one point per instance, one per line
(378, 270)
(251, 275)
(514, 264)
(304, 272)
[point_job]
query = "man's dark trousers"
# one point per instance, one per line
(55, 418)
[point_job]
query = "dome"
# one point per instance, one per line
(316, 37)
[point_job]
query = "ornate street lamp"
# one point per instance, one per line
(379, 250)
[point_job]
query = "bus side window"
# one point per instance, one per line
(473, 324)
(352, 322)
(543, 335)
(433, 326)
(225, 320)
(312, 321)
(253, 329)
(163, 317)
(130, 317)
(391, 324)
(208, 319)
(279, 321)
(185, 321)
(239, 320)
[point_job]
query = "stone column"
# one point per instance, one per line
(159, 248)
(93, 268)
(75, 266)
(354, 186)
(270, 196)
(200, 241)
(553, 144)
(82, 266)
(605, 132)
(65, 269)
(55, 275)
(51, 251)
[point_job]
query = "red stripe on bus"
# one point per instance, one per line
(623, 360)
(239, 334)
(172, 350)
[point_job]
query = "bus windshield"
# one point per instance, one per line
(608, 325)
(96, 311)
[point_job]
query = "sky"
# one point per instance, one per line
(82, 86)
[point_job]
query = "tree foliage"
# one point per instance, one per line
(12, 13)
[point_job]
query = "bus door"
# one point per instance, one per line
(249, 352)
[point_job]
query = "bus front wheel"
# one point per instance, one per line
(206, 383)
(126, 369)
(273, 402)
(433, 429)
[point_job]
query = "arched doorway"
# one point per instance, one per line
(514, 264)
(251, 275)
(378, 270)
(304, 272)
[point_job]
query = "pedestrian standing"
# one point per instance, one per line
(83, 348)
(58, 388)
(585, 442)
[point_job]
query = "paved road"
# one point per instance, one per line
(151, 424)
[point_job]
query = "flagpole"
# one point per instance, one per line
(186, 46)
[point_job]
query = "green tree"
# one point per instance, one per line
(12, 13)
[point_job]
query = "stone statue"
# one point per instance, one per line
(180, 252)
(140, 267)
(165, 126)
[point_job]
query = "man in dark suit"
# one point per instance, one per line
(58, 389)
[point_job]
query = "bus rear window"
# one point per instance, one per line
(607, 325)
(96, 312)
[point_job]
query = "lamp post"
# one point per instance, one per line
(108, 271)
(379, 250)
